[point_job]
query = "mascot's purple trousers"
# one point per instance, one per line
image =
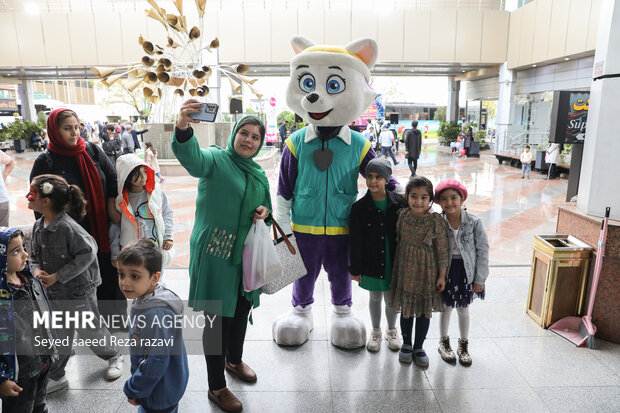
(331, 252)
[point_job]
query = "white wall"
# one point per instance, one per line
(547, 30)
(573, 74)
(255, 35)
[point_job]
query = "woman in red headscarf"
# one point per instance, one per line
(84, 164)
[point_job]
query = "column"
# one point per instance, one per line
(26, 96)
(452, 109)
(598, 183)
(507, 85)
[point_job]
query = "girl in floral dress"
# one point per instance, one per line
(419, 273)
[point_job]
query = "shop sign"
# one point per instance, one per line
(569, 116)
(8, 105)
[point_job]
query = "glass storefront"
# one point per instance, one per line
(531, 119)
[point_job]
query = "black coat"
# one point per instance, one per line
(413, 143)
(368, 227)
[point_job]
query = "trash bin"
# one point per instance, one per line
(540, 163)
(20, 145)
(558, 278)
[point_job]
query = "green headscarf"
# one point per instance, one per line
(256, 189)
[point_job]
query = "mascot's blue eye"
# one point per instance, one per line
(335, 84)
(306, 82)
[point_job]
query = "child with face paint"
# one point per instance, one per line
(469, 266)
(64, 258)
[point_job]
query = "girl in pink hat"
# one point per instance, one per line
(468, 268)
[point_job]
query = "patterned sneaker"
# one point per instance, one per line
(446, 351)
(374, 343)
(463, 352)
(391, 335)
(406, 354)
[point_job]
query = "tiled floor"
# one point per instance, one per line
(517, 366)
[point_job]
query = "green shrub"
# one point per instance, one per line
(20, 130)
(448, 132)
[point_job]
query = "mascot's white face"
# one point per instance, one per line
(329, 85)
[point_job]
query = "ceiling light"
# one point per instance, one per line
(533, 65)
(463, 71)
(566, 58)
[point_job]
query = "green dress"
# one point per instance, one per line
(378, 284)
(215, 281)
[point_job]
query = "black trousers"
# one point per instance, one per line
(31, 399)
(111, 299)
(233, 336)
(552, 172)
(413, 165)
(421, 329)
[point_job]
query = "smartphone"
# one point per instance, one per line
(208, 112)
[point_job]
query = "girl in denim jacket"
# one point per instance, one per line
(469, 266)
(64, 258)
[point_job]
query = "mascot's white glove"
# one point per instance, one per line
(399, 189)
(282, 213)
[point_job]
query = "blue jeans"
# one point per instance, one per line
(388, 149)
(526, 167)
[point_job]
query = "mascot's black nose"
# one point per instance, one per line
(312, 97)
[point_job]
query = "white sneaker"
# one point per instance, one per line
(55, 385)
(391, 335)
(374, 344)
(115, 368)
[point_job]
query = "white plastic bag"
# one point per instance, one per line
(261, 263)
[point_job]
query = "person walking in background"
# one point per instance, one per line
(150, 157)
(127, 140)
(135, 133)
(469, 137)
(387, 141)
(283, 134)
(293, 129)
(113, 146)
(8, 164)
(413, 146)
(552, 157)
(526, 162)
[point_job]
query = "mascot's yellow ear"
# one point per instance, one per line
(366, 49)
(301, 43)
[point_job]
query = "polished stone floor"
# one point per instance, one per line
(517, 366)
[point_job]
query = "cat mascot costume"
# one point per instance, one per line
(329, 88)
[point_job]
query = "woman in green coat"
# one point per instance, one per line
(233, 191)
